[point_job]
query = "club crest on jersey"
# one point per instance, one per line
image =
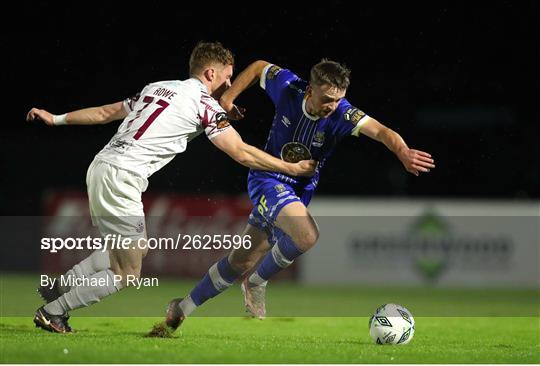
(353, 115)
(222, 120)
(279, 188)
(318, 139)
(293, 152)
(272, 72)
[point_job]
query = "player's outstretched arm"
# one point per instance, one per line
(414, 161)
(87, 116)
(231, 143)
(244, 80)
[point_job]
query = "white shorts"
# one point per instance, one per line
(114, 196)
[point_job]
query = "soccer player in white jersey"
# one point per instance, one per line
(157, 124)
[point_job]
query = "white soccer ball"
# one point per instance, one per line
(391, 324)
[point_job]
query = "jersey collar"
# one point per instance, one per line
(200, 83)
(313, 118)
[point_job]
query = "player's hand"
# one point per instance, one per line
(305, 168)
(416, 161)
(40, 114)
(234, 112)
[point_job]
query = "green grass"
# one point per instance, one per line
(286, 339)
(274, 340)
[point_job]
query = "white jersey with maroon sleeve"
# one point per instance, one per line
(162, 119)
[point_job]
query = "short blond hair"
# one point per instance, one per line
(330, 73)
(207, 53)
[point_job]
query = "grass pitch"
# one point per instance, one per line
(284, 339)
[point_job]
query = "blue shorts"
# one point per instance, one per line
(269, 196)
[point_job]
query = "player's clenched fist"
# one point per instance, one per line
(305, 168)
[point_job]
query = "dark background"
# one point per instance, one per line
(456, 79)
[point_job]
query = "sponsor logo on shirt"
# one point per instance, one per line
(293, 152)
(285, 121)
(120, 146)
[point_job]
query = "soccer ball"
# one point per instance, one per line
(391, 324)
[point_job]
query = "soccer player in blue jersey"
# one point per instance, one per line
(310, 119)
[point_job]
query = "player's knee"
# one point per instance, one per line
(128, 269)
(132, 258)
(129, 276)
(307, 240)
(133, 271)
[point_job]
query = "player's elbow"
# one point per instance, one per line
(259, 65)
(110, 112)
(103, 115)
(262, 63)
(383, 133)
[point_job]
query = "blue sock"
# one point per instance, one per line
(283, 253)
(219, 277)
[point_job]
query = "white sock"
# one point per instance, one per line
(86, 295)
(95, 262)
(187, 305)
(256, 280)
